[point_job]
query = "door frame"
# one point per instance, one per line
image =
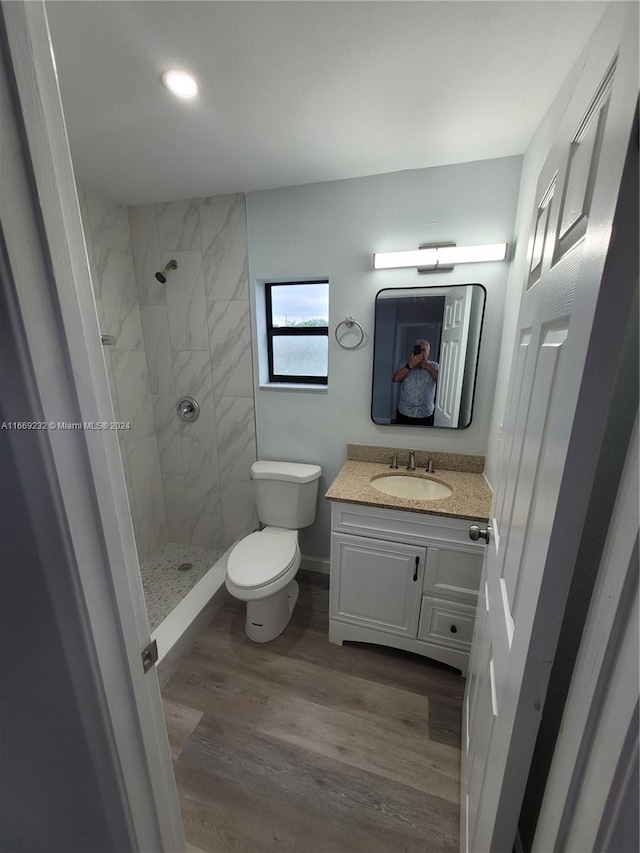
(62, 370)
(589, 790)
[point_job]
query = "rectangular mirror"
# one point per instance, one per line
(425, 355)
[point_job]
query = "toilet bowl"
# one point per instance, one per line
(261, 571)
(261, 568)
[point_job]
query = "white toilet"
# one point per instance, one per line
(261, 568)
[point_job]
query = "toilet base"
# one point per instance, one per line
(268, 617)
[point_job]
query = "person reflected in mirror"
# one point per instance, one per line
(418, 378)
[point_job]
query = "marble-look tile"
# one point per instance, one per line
(175, 497)
(100, 313)
(147, 496)
(192, 374)
(124, 461)
(201, 475)
(224, 244)
(230, 343)
(238, 511)
(168, 433)
(95, 281)
(108, 222)
(236, 436)
(111, 378)
(146, 253)
(186, 302)
(134, 398)
(116, 287)
(84, 215)
(127, 479)
(208, 532)
(179, 226)
(157, 344)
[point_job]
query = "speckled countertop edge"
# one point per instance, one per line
(471, 498)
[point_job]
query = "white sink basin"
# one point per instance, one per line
(417, 488)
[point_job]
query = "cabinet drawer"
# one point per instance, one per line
(446, 623)
(453, 573)
(400, 526)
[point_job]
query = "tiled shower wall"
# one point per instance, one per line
(198, 342)
(187, 483)
(108, 238)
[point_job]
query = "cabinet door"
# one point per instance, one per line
(376, 584)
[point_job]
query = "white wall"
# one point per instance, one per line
(332, 230)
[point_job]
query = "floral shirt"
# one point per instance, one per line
(418, 392)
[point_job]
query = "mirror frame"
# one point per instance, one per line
(422, 289)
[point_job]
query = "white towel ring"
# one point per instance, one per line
(349, 322)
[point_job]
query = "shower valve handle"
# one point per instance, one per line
(188, 409)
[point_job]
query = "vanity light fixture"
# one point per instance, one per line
(180, 83)
(440, 257)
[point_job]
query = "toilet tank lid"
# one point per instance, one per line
(292, 472)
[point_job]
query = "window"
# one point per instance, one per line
(298, 331)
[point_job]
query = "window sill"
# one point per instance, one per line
(291, 386)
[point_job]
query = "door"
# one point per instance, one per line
(455, 331)
(92, 575)
(572, 314)
(376, 584)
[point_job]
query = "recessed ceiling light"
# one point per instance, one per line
(180, 83)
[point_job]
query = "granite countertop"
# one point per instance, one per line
(471, 498)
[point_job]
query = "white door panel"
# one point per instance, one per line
(555, 413)
(529, 483)
(453, 350)
(513, 426)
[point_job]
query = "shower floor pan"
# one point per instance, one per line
(180, 604)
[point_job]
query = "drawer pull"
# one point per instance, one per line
(453, 629)
(415, 571)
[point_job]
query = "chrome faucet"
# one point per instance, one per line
(394, 463)
(412, 461)
(430, 467)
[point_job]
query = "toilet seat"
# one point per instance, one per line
(261, 558)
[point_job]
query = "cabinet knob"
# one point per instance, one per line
(476, 533)
(453, 629)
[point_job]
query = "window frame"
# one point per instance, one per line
(291, 331)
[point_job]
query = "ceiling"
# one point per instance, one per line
(301, 92)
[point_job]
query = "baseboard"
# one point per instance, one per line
(315, 564)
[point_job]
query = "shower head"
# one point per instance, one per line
(162, 275)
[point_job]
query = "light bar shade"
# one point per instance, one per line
(445, 255)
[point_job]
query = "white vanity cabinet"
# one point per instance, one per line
(403, 579)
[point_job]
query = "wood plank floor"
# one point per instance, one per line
(302, 746)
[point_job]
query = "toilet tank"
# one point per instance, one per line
(286, 493)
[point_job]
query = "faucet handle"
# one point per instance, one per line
(394, 463)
